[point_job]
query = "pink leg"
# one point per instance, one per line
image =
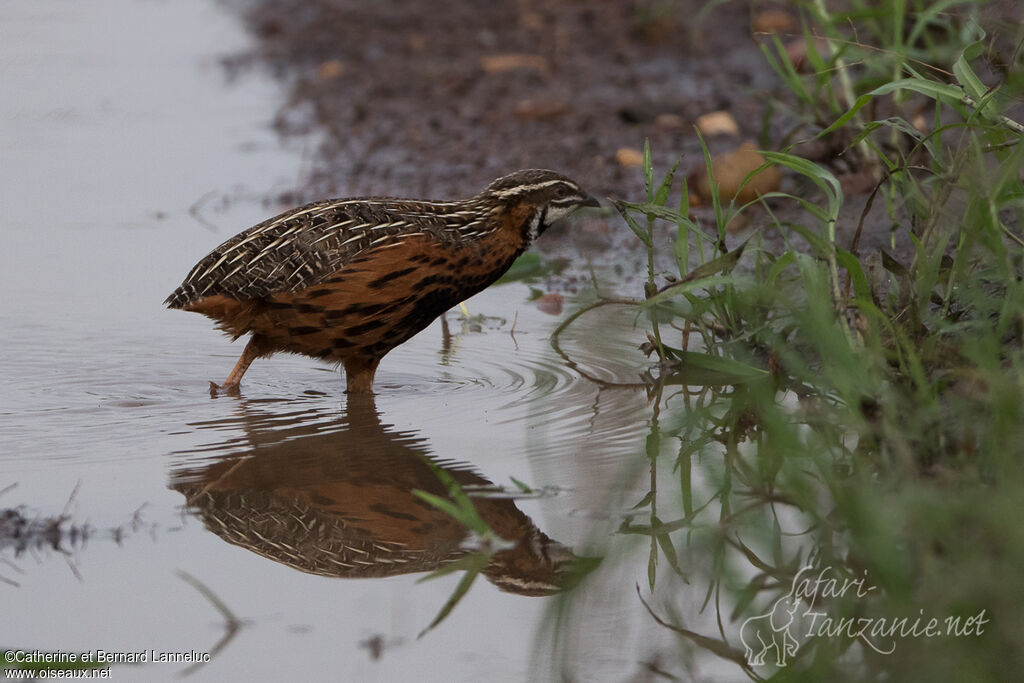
(359, 374)
(253, 350)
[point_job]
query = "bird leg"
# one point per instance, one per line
(253, 350)
(359, 373)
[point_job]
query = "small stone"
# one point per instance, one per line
(496, 64)
(629, 156)
(417, 42)
(532, 21)
(717, 123)
(773, 21)
(670, 121)
(330, 69)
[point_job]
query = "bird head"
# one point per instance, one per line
(546, 195)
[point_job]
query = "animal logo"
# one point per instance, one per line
(763, 633)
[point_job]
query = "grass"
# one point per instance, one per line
(859, 413)
(459, 506)
(823, 409)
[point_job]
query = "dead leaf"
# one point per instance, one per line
(858, 183)
(717, 123)
(773, 21)
(732, 168)
(737, 222)
(550, 303)
(541, 109)
(532, 21)
(797, 53)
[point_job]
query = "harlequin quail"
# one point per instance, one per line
(347, 280)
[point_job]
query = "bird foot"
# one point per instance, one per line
(226, 389)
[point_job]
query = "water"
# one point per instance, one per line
(124, 128)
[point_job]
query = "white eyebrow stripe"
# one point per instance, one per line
(522, 189)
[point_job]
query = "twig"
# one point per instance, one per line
(231, 623)
(194, 211)
(1005, 120)
(557, 346)
(718, 647)
(71, 498)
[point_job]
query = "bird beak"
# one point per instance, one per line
(590, 200)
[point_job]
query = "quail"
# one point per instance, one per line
(347, 280)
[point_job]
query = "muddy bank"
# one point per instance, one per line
(436, 100)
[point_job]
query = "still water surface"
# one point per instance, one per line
(122, 123)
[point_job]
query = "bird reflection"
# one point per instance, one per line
(336, 499)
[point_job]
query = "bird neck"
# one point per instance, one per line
(515, 225)
(522, 223)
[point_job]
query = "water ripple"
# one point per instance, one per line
(146, 379)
